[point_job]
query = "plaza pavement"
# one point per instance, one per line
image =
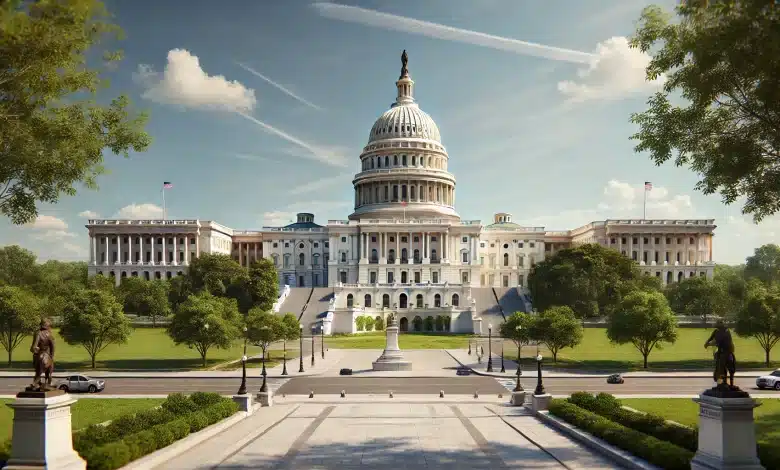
(382, 433)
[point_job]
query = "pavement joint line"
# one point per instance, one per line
(289, 458)
(249, 439)
(479, 439)
(502, 418)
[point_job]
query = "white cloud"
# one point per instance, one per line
(319, 154)
(439, 31)
(278, 218)
(47, 222)
(615, 71)
(53, 235)
(321, 183)
(140, 211)
(185, 83)
(278, 86)
(89, 214)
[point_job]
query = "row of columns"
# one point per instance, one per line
(106, 238)
(404, 161)
(424, 244)
(699, 255)
(425, 191)
(244, 249)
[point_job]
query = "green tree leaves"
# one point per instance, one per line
(19, 316)
(205, 321)
(557, 328)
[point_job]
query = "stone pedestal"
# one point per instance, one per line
(392, 358)
(727, 434)
(265, 398)
(518, 398)
(42, 433)
(541, 402)
(244, 402)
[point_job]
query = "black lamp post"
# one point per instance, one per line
(518, 387)
(490, 349)
(284, 360)
(539, 385)
(300, 351)
(242, 388)
(469, 346)
(312, 349)
(264, 387)
(503, 369)
(322, 338)
(519, 349)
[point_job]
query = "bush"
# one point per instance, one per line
(197, 421)
(108, 456)
(204, 399)
(610, 407)
(5, 451)
(179, 404)
(661, 453)
(140, 444)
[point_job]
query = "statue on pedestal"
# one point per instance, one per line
(725, 360)
(391, 319)
(43, 358)
(404, 62)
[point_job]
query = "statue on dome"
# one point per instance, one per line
(404, 61)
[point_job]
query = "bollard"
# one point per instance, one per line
(391, 394)
(476, 394)
(343, 394)
(311, 394)
(441, 394)
(500, 395)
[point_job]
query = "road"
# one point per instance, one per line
(406, 385)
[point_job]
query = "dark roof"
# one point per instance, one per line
(303, 225)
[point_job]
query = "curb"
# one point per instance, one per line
(619, 456)
(161, 456)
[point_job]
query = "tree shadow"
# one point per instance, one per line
(137, 364)
(615, 365)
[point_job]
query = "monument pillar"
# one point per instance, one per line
(392, 358)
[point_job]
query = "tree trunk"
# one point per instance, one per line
(645, 358)
(93, 361)
(203, 359)
(555, 356)
(9, 357)
(766, 352)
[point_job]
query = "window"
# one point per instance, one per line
(464, 239)
(506, 259)
(300, 246)
(386, 301)
(417, 277)
(403, 239)
(465, 277)
(437, 300)
(506, 245)
(276, 245)
(531, 245)
(301, 259)
(435, 277)
(419, 300)
(520, 245)
(402, 301)
(645, 240)
(350, 300)
(315, 260)
(404, 277)
(416, 239)
(506, 281)
(455, 300)
(367, 300)
(287, 245)
(343, 277)
(372, 277)
(343, 239)
(464, 257)
(482, 245)
(373, 239)
(374, 255)
(390, 277)
(343, 257)
(657, 240)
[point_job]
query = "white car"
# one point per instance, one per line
(769, 381)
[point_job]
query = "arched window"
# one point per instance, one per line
(391, 256)
(287, 260)
(437, 300)
(402, 301)
(455, 300)
(680, 276)
(301, 259)
(412, 193)
(387, 161)
(315, 259)
(350, 300)
(367, 300)
(404, 255)
(506, 259)
(416, 256)
(343, 257)
(419, 300)
(395, 160)
(433, 255)
(386, 301)
(374, 255)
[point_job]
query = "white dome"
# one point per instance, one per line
(404, 121)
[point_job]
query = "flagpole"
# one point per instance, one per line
(163, 194)
(644, 206)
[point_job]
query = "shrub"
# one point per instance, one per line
(5, 451)
(661, 453)
(197, 421)
(140, 444)
(163, 435)
(204, 399)
(179, 404)
(108, 456)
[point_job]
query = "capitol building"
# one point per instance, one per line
(404, 248)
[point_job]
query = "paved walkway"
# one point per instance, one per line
(381, 434)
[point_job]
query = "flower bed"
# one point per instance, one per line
(660, 453)
(132, 436)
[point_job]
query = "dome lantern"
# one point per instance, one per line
(405, 84)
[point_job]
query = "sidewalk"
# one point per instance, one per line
(462, 357)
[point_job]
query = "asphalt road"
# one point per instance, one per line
(362, 385)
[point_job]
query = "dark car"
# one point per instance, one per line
(345, 372)
(615, 379)
(463, 371)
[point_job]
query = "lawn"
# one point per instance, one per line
(147, 348)
(376, 340)
(85, 412)
(685, 411)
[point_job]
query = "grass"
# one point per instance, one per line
(685, 411)
(376, 340)
(147, 349)
(85, 412)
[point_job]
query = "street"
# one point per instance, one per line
(400, 385)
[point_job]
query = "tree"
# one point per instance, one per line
(590, 279)
(264, 328)
(289, 330)
(645, 320)
(263, 283)
(517, 328)
(52, 138)
(93, 318)
(723, 58)
(428, 323)
(760, 318)
(214, 273)
(731, 281)
(439, 322)
(18, 266)
(19, 317)
(360, 323)
(145, 298)
(764, 265)
(697, 296)
(205, 321)
(368, 322)
(104, 283)
(379, 323)
(557, 328)
(178, 291)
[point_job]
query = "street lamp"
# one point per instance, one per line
(312, 348)
(322, 338)
(264, 387)
(469, 346)
(242, 388)
(490, 348)
(539, 386)
(519, 348)
(300, 351)
(503, 369)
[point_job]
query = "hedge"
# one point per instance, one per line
(660, 453)
(132, 436)
(611, 408)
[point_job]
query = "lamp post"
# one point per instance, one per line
(284, 359)
(242, 388)
(312, 349)
(490, 348)
(300, 350)
(503, 369)
(519, 349)
(539, 386)
(469, 346)
(265, 329)
(322, 339)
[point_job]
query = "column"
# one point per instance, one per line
(445, 238)
(175, 250)
(141, 250)
(687, 248)
(427, 245)
(411, 248)
(130, 249)
(240, 258)
(119, 249)
(256, 243)
(197, 244)
(619, 242)
(397, 247)
(641, 248)
(154, 259)
(630, 239)
(92, 250)
(186, 249)
(164, 251)
(105, 244)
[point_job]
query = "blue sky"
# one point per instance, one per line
(260, 110)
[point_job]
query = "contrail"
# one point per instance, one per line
(278, 86)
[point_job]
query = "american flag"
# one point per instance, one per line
(648, 186)
(167, 185)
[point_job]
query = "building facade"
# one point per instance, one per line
(404, 247)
